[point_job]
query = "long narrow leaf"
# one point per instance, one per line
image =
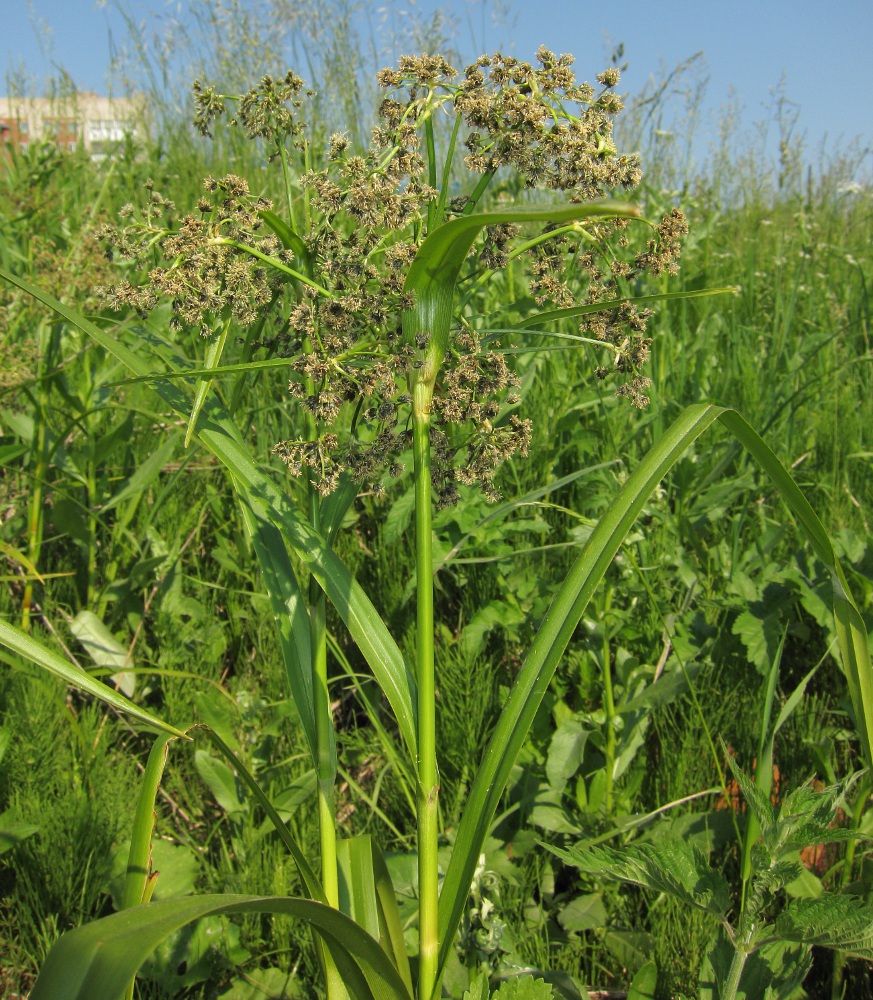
(28, 648)
(549, 316)
(310, 879)
(139, 858)
(212, 360)
(99, 959)
(433, 274)
(292, 620)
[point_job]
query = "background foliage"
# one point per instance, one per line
(130, 551)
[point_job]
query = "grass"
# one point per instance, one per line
(791, 353)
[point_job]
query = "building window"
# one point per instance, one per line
(14, 131)
(102, 135)
(63, 131)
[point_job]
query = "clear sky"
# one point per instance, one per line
(820, 50)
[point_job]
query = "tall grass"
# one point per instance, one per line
(709, 579)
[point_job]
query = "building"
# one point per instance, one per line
(99, 124)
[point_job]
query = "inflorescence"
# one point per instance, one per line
(327, 288)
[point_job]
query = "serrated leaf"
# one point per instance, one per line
(673, 867)
(773, 972)
(478, 988)
(762, 808)
(760, 636)
(844, 923)
(523, 988)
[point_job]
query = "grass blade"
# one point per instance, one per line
(22, 644)
(99, 959)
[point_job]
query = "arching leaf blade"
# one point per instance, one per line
(99, 959)
(27, 647)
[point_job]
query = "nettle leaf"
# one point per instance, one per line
(523, 988)
(673, 867)
(844, 923)
(763, 811)
(478, 989)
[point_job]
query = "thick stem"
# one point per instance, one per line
(428, 775)
(326, 758)
(731, 984)
(326, 762)
(609, 710)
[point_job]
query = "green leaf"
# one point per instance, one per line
(433, 274)
(99, 959)
(146, 473)
(523, 988)
(391, 926)
(584, 913)
(291, 617)
(311, 883)
(566, 750)
(673, 867)
(139, 858)
(773, 972)
(12, 831)
(549, 316)
(220, 781)
(104, 649)
(478, 989)
(22, 644)
(357, 884)
(644, 983)
(844, 923)
(212, 360)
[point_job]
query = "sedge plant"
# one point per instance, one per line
(361, 280)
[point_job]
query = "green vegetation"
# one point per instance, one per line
(353, 589)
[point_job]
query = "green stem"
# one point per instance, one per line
(609, 709)
(428, 775)
(478, 191)
(731, 984)
(326, 758)
(324, 740)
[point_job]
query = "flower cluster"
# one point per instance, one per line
(215, 266)
(327, 284)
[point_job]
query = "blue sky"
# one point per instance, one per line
(820, 50)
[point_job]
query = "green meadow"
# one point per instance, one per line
(495, 507)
